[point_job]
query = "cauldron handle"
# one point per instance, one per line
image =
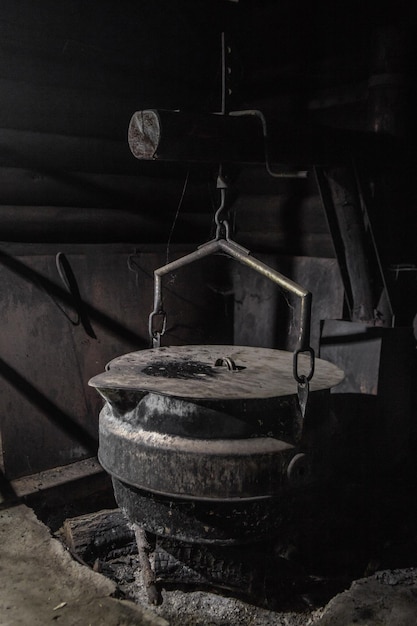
(244, 256)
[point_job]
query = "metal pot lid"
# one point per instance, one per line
(213, 372)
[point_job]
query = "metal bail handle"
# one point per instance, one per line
(243, 256)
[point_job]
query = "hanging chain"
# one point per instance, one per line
(303, 378)
(157, 326)
(303, 382)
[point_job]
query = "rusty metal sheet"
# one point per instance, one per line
(264, 316)
(190, 467)
(49, 416)
(190, 372)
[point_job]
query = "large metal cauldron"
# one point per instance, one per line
(204, 442)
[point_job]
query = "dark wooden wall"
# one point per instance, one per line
(51, 343)
(349, 68)
(71, 75)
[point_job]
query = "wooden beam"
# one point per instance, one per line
(56, 477)
(242, 137)
(195, 137)
(346, 221)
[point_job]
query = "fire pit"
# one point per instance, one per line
(204, 443)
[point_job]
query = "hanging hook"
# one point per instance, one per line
(222, 225)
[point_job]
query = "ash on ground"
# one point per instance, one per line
(201, 607)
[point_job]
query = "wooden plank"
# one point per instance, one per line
(27, 187)
(94, 91)
(29, 249)
(70, 75)
(290, 214)
(68, 111)
(126, 43)
(51, 152)
(66, 63)
(56, 477)
(80, 65)
(31, 188)
(95, 225)
(313, 245)
(63, 64)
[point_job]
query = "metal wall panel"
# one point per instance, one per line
(48, 414)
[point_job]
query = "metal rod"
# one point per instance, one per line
(282, 281)
(258, 114)
(243, 256)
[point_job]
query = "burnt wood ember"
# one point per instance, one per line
(255, 571)
(98, 535)
(179, 369)
(330, 536)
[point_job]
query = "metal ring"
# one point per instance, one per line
(299, 470)
(153, 333)
(303, 378)
(231, 365)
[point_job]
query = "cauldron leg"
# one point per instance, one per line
(147, 573)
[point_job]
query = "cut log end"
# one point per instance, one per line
(144, 133)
